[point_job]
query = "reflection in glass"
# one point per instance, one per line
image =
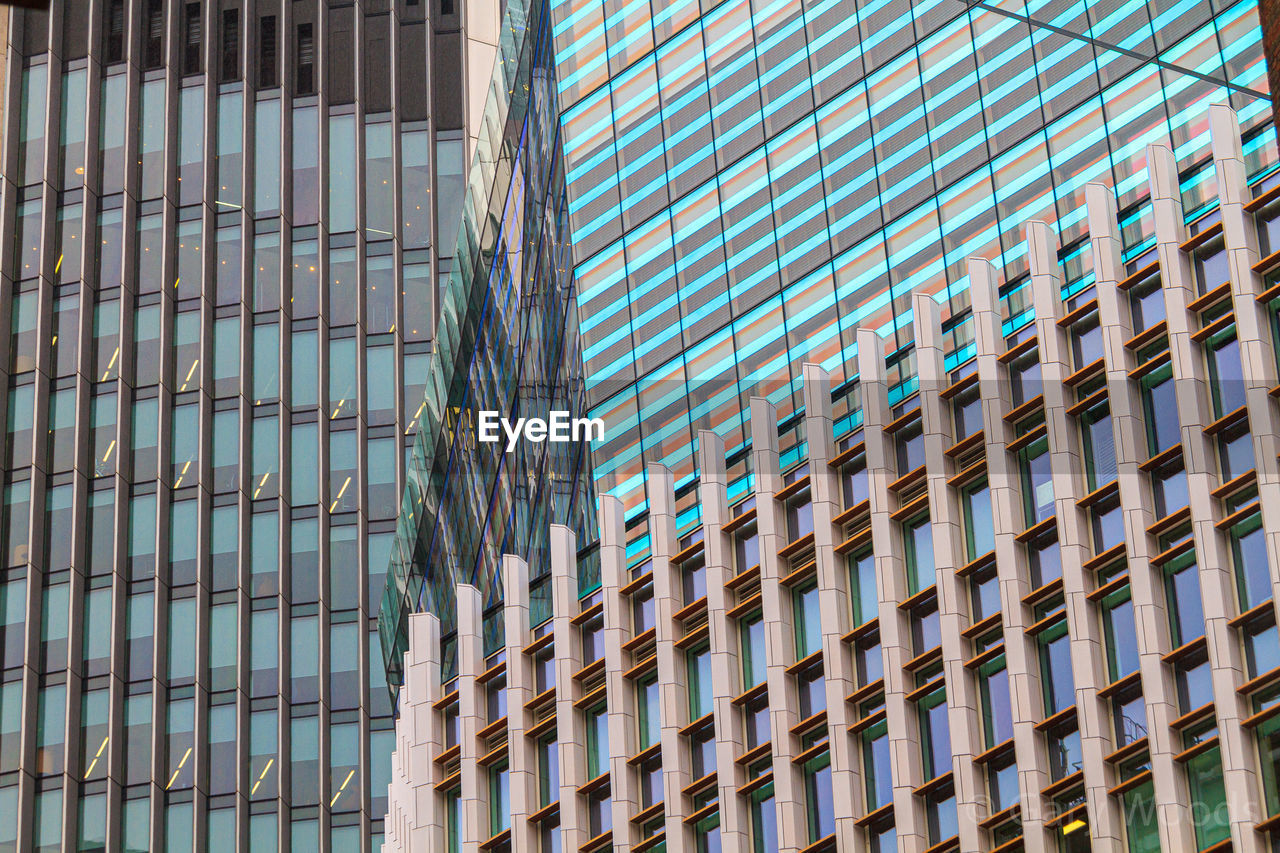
(151, 139)
(266, 271)
(67, 265)
(230, 149)
(306, 278)
(150, 254)
(306, 166)
(380, 295)
(227, 267)
(415, 177)
(111, 252)
(31, 125)
(191, 145)
(379, 195)
(190, 259)
(344, 299)
(266, 160)
(111, 166)
(75, 90)
(342, 174)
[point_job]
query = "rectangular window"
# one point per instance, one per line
(917, 536)
(1211, 267)
(267, 51)
(753, 651)
(935, 736)
(1160, 410)
(984, 595)
(764, 820)
(114, 31)
(1226, 374)
(979, 524)
(862, 587)
(548, 772)
(909, 446)
(153, 35)
(1024, 378)
(1182, 596)
(699, 667)
(967, 413)
(1046, 561)
(1065, 757)
(1055, 669)
(997, 709)
(819, 797)
(746, 550)
(799, 517)
(1146, 304)
(1208, 792)
(1120, 633)
(1099, 445)
(230, 45)
(304, 76)
(597, 742)
(1170, 487)
(1037, 482)
(193, 38)
(499, 798)
(808, 625)
(877, 766)
(1249, 556)
(1086, 342)
(648, 714)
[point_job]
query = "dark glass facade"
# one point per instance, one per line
(219, 269)
(751, 182)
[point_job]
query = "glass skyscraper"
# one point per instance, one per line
(507, 343)
(749, 182)
(224, 224)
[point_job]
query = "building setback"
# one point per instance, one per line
(1030, 605)
(224, 227)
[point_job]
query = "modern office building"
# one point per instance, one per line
(750, 183)
(1029, 604)
(224, 228)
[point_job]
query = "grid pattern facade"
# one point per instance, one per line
(1032, 606)
(219, 270)
(750, 183)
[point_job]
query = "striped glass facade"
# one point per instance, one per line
(219, 268)
(750, 182)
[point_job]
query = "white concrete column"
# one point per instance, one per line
(833, 602)
(570, 727)
(1088, 650)
(522, 756)
(621, 691)
(1217, 580)
(891, 584)
(415, 812)
(1145, 582)
(964, 719)
(726, 666)
(474, 804)
(673, 676)
(780, 636)
(1003, 477)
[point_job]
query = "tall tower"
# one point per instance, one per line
(228, 224)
